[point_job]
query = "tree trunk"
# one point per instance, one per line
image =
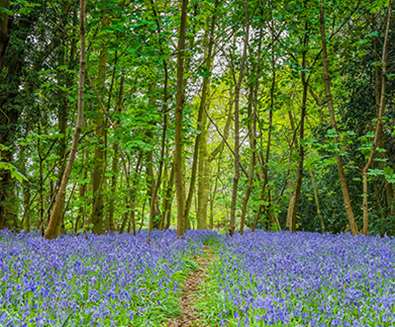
(180, 98)
(252, 131)
(213, 194)
(4, 30)
(80, 221)
(201, 138)
(65, 82)
(203, 177)
(26, 218)
(266, 189)
(251, 168)
(217, 154)
(115, 160)
(56, 212)
(329, 100)
(130, 198)
(165, 122)
(294, 200)
(317, 200)
(236, 176)
(379, 122)
(167, 200)
(98, 174)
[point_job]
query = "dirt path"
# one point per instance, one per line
(189, 317)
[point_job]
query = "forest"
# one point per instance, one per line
(197, 163)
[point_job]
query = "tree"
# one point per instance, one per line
(57, 209)
(329, 101)
(201, 138)
(379, 120)
(236, 176)
(180, 98)
(14, 43)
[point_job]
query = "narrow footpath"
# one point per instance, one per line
(189, 317)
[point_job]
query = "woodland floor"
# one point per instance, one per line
(189, 316)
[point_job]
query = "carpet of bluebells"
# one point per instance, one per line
(87, 280)
(301, 279)
(258, 279)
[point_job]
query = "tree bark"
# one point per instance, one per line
(251, 169)
(130, 197)
(236, 176)
(294, 200)
(98, 174)
(80, 221)
(201, 138)
(203, 178)
(180, 98)
(379, 122)
(329, 101)
(115, 159)
(167, 200)
(56, 213)
(317, 200)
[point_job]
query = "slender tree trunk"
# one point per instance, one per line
(65, 82)
(167, 200)
(151, 186)
(217, 154)
(379, 122)
(236, 176)
(115, 159)
(265, 188)
(317, 200)
(56, 213)
(99, 166)
(293, 144)
(213, 194)
(294, 200)
(114, 179)
(180, 98)
(390, 198)
(251, 168)
(252, 130)
(131, 194)
(329, 100)
(203, 178)
(154, 214)
(4, 29)
(80, 221)
(26, 218)
(201, 139)
(154, 210)
(41, 181)
(253, 140)
(26, 209)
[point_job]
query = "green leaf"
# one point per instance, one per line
(13, 171)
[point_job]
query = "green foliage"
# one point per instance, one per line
(13, 171)
(134, 92)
